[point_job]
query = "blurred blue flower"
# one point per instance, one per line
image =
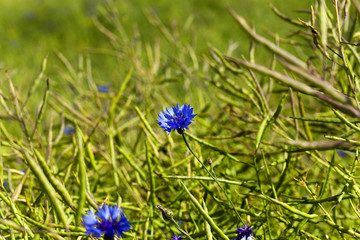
(341, 153)
(245, 233)
(69, 130)
(109, 220)
(176, 238)
(103, 89)
(176, 118)
(5, 184)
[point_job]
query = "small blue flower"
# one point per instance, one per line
(176, 238)
(103, 89)
(69, 130)
(245, 233)
(341, 153)
(5, 185)
(109, 220)
(176, 118)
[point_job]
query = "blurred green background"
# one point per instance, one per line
(32, 29)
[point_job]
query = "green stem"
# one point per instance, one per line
(180, 229)
(213, 177)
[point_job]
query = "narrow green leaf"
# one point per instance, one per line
(82, 176)
(16, 213)
(151, 174)
(261, 131)
(146, 124)
(209, 235)
(116, 99)
(213, 147)
(41, 108)
(37, 80)
(57, 184)
(266, 125)
(47, 187)
(112, 156)
(205, 215)
(288, 207)
(346, 121)
(132, 164)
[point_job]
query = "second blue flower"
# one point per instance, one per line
(108, 220)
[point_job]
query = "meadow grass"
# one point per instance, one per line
(273, 146)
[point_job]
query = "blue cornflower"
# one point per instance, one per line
(341, 153)
(69, 130)
(110, 220)
(176, 238)
(245, 233)
(103, 89)
(176, 118)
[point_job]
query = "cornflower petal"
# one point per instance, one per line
(90, 219)
(115, 212)
(103, 89)
(108, 220)
(176, 118)
(176, 238)
(245, 233)
(104, 212)
(123, 225)
(93, 231)
(90, 222)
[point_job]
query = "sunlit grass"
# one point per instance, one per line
(276, 125)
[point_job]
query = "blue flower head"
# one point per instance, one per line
(245, 233)
(103, 89)
(176, 118)
(109, 220)
(69, 130)
(341, 153)
(176, 238)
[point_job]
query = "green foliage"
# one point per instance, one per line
(276, 129)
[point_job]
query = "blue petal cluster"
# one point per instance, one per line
(176, 118)
(103, 89)
(176, 238)
(109, 220)
(245, 233)
(69, 130)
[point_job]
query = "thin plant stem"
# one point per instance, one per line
(213, 177)
(180, 229)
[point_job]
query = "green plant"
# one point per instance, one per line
(276, 131)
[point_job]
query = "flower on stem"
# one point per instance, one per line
(109, 220)
(176, 238)
(245, 233)
(176, 118)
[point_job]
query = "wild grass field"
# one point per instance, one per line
(179, 120)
